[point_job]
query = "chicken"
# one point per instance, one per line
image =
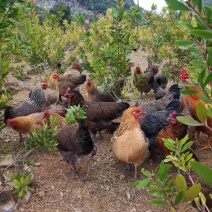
(77, 65)
(25, 124)
(94, 94)
(59, 123)
(96, 111)
(52, 92)
(161, 80)
(59, 109)
(129, 142)
(102, 113)
(192, 100)
(143, 82)
(159, 87)
(95, 127)
(35, 103)
(175, 130)
(74, 141)
(153, 123)
(69, 81)
(160, 104)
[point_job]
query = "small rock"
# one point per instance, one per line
(128, 195)
(37, 164)
(148, 210)
(107, 188)
(41, 194)
(7, 160)
(122, 177)
(133, 210)
(61, 194)
(52, 187)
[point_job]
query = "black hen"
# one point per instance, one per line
(153, 123)
(161, 80)
(161, 104)
(74, 142)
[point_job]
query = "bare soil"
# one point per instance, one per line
(108, 190)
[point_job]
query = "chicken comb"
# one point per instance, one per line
(173, 114)
(46, 112)
(44, 81)
(138, 69)
(68, 90)
(183, 71)
(140, 108)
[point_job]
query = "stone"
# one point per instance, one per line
(6, 160)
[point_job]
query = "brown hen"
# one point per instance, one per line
(52, 92)
(77, 65)
(96, 111)
(94, 94)
(99, 114)
(129, 142)
(144, 82)
(192, 101)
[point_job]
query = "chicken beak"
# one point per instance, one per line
(66, 95)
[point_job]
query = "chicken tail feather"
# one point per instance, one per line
(8, 113)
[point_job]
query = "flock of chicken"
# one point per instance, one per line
(140, 131)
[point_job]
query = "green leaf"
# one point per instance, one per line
(170, 146)
(176, 5)
(164, 171)
(201, 112)
(209, 51)
(203, 172)
(180, 183)
(192, 192)
(199, 5)
(145, 172)
(188, 121)
(187, 146)
(206, 34)
(179, 197)
(197, 63)
(143, 183)
(158, 202)
(186, 25)
(156, 192)
(184, 43)
(189, 92)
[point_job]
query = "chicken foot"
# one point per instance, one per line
(97, 138)
(21, 138)
(129, 168)
(89, 163)
(208, 146)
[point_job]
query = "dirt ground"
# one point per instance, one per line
(108, 190)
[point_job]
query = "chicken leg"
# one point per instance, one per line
(208, 146)
(88, 162)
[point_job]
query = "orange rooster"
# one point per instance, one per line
(129, 142)
(25, 124)
(192, 100)
(94, 94)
